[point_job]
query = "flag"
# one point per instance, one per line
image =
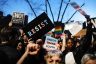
(59, 27)
(58, 31)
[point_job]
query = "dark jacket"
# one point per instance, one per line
(8, 55)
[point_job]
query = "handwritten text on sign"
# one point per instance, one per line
(50, 43)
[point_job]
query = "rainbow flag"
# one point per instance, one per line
(58, 31)
(59, 27)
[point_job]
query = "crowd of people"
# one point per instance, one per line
(17, 48)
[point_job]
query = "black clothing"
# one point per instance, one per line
(37, 59)
(84, 47)
(9, 55)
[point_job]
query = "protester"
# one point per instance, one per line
(34, 54)
(9, 40)
(68, 57)
(62, 42)
(88, 59)
(17, 47)
(84, 46)
(29, 50)
(53, 57)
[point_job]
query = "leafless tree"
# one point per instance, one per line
(36, 6)
(2, 4)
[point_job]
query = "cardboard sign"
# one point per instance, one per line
(18, 18)
(81, 33)
(38, 27)
(50, 43)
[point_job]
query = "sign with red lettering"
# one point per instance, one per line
(38, 27)
(50, 43)
(78, 8)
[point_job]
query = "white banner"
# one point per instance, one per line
(75, 29)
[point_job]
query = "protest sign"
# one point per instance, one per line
(50, 43)
(75, 29)
(81, 33)
(78, 8)
(38, 27)
(18, 18)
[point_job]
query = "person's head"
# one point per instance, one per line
(60, 43)
(53, 57)
(8, 34)
(69, 43)
(19, 46)
(40, 42)
(88, 59)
